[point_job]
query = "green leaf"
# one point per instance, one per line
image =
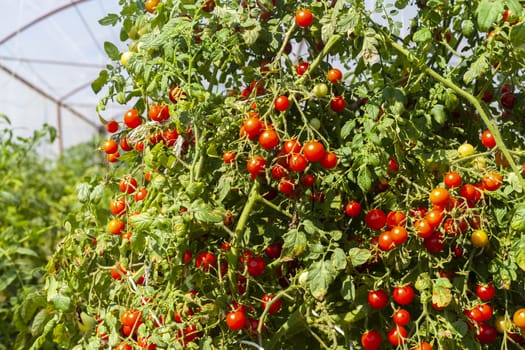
(294, 243)
(488, 12)
(142, 221)
(348, 288)
(369, 51)
(441, 292)
(320, 275)
(477, 68)
(338, 259)
(517, 36)
(6, 278)
(112, 51)
(110, 20)
(518, 218)
(83, 191)
(515, 7)
(358, 256)
(422, 35)
(39, 322)
(364, 179)
(460, 327)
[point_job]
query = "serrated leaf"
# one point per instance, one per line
(358, 256)
(320, 275)
(488, 12)
(141, 221)
(460, 327)
(338, 259)
(294, 243)
(309, 227)
(97, 192)
(347, 128)
(369, 50)
(112, 51)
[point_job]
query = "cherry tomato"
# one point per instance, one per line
(519, 318)
(434, 243)
(205, 261)
(320, 90)
(132, 118)
(286, 186)
(479, 239)
(273, 251)
(487, 139)
(385, 241)
(140, 194)
(371, 340)
(176, 94)
(486, 333)
(401, 317)
(252, 125)
(502, 324)
(423, 228)
(302, 68)
(508, 100)
(112, 126)
(397, 335)
(297, 162)
(377, 299)
(304, 18)
(268, 139)
(236, 319)
(338, 104)
(131, 318)
(150, 5)
(375, 219)
(123, 346)
(276, 305)
(434, 217)
(116, 226)
(403, 295)
(255, 165)
(110, 146)
(485, 291)
(159, 113)
(485, 311)
(395, 218)
(334, 75)
(329, 160)
(281, 103)
(465, 150)
(278, 171)
(313, 151)
(124, 144)
(492, 181)
(452, 179)
(439, 196)
(399, 235)
(423, 346)
(117, 272)
(307, 180)
(128, 185)
(228, 157)
(353, 209)
(117, 206)
(256, 266)
(291, 146)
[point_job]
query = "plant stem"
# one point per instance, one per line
(482, 110)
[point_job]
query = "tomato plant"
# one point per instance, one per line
(400, 136)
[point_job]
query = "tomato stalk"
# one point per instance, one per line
(482, 110)
(326, 50)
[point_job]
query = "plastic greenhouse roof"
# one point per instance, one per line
(50, 52)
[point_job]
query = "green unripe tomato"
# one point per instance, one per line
(467, 28)
(315, 123)
(320, 90)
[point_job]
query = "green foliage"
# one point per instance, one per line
(36, 194)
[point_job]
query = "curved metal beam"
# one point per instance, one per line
(39, 19)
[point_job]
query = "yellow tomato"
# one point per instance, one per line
(519, 318)
(479, 239)
(502, 325)
(124, 58)
(465, 150)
